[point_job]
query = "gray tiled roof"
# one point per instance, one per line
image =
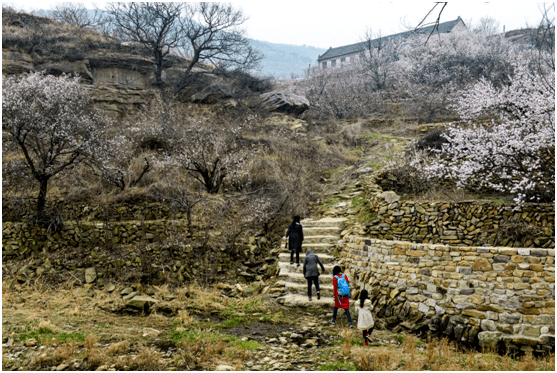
(444, 27)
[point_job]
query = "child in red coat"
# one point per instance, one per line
(340, 301)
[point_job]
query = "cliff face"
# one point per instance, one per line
(120, 82)
(119, 75)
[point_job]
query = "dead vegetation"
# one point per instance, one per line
(68, 330)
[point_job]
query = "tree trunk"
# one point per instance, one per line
(43, 181)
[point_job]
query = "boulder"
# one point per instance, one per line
(389, 196)
(285, 102)
(213, 94)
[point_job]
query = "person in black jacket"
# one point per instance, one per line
(311, 272)
(295, 235)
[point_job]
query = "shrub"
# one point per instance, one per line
(406, 179)
(433, 140)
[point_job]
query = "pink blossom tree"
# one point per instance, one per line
(49, 120)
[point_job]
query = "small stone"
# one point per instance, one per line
(223, 367)
(126, 291)
(90, 275)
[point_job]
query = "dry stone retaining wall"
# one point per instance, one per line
(19, 239)
(475, 295)
(473, 223)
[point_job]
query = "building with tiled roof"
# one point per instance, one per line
(336, 57)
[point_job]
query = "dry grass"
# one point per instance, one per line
(346, 334)
(118, 348)
(203, 352)
(439, 354)
(184, 318)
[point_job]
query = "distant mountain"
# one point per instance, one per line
(285, 60)
(281, 60)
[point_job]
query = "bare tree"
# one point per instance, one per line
(377, 61)
(486, 26)
(75, 14)
(543, 40)
(211, 34)
(439, 6)
(156, 26)
(202, 32)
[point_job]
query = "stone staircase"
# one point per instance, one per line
(321, 236)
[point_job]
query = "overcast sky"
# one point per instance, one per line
(329, 23)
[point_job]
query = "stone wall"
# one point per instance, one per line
(19, 240)
(14, 210)
(470, 223)
(476, 295)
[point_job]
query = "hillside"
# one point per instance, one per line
(286, 61)
(281, 60)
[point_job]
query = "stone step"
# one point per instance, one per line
(322, 231)
(327, 221)
(316, 239)
(286, 268)
(298, 277)
(325, 258)
(302, 289)
(302, 301)
(316, 248)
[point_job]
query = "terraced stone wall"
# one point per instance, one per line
(471, 223)
(476, 295)
(19, 239)
(14, 210)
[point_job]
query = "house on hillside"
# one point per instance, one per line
(337, 57)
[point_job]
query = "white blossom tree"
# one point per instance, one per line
(49, 120)
(514, 153)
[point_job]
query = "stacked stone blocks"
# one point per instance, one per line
(484, 295)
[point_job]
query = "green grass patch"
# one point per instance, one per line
(42, 335)
(337, 365)
(244, 345)
(330, 203)
(231, 323)
(495, 200)
(359, 201)
(195, 335)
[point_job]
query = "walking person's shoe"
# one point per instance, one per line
(333, 321)
(310, 299)
(365, 344)
(350, 326)
(297, 265)
(318, 296)
(291, 263)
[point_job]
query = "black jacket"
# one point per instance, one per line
(295, 234)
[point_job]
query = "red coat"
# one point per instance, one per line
(344, 302)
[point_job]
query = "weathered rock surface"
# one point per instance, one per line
(284, 102)
(213, 94)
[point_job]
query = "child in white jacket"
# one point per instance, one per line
(365, 319)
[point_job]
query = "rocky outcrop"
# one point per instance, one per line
(213, 94)
(285, 102)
